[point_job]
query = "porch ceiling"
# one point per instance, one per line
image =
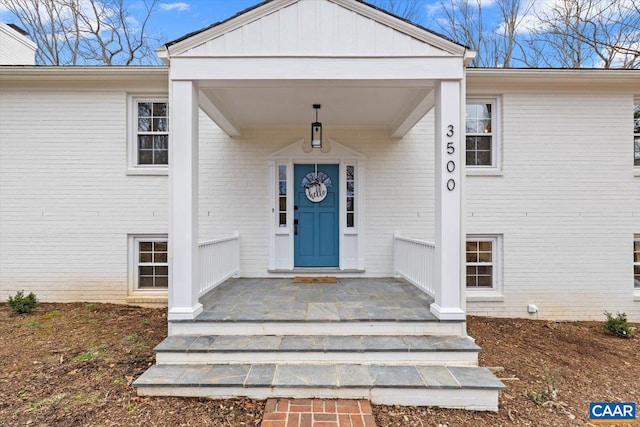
(391, 106)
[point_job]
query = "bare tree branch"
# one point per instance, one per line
(562, 33)
(82, 32)
(413, 10)
(592, 33)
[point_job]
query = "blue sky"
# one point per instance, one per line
(173, 19)
(176, 18)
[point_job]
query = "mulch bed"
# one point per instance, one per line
(73, 364)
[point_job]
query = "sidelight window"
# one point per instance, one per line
(282, 195)
(351, 196)
(636, 134)
(636, 262)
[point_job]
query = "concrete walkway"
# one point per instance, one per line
(317, 413)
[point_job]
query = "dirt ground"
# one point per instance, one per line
(73, 364)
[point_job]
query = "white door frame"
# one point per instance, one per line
(351, 239)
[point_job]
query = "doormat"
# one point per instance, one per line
(325, 279)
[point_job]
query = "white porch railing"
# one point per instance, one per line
(413, 260)
(219, 260)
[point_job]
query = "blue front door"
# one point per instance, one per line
(316, 200)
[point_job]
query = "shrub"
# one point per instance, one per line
(549, 391)
(22, 304)
(617, 325)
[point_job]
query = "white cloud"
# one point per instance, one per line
(538, 10)
(179, 6)
(433, 9)
(620, 59)
(436, 7)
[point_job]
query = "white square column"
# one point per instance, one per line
(449, 291)
(183, 199)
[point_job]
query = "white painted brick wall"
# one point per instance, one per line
(66, 203)
(567, 205)
(234, 188)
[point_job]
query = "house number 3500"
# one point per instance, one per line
(451, 165)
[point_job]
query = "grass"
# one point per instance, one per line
(98, 352)
(50, 315)
(83, 357)
(48, 401)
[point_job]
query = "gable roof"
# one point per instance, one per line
(360, 8)
(256, 6)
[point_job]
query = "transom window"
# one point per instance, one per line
(636, 262)
(152, 264)
(636, 134)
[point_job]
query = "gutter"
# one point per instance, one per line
(33, 72)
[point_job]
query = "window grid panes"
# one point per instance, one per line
(480, 134)
(351, 196)
(636, 262)
(282, 195)
(153, 265)
(636, 134)
(480, 263)
(152, 133)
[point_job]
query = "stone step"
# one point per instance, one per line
(363, 349)
(450, 387)
(391, 327)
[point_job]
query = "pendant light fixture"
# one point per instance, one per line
(316, 130)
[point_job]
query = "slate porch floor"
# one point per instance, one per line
(350, 299)
(324, 376)
(402, 365)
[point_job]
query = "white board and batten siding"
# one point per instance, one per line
(15, 48)
(567, 204)
(67, 204)
(315, 28)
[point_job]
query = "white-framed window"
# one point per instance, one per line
(149, 263)
(636, 133)
(484, 266)
(282, 195)
(482, 134)
(351, 196)
(148, 135)
(636, 262)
